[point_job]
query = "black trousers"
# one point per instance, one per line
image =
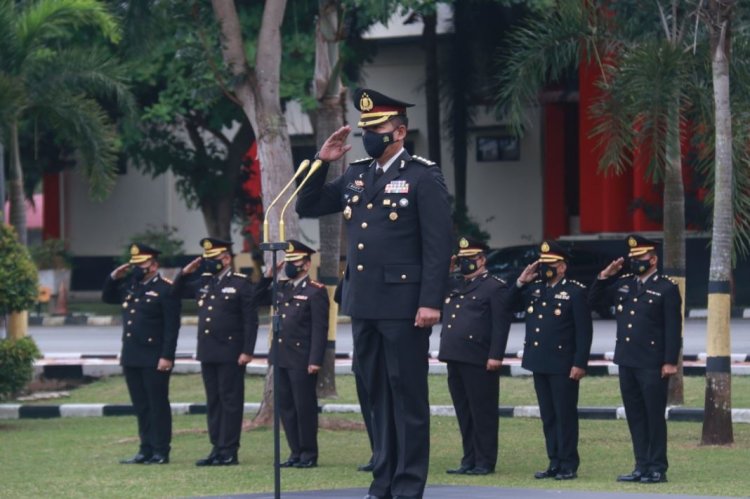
(476, 394)
(364, 406)
(644, 395)
(558, 404)
(298, 409)
(149, 392)
(392, 359)
(225, 401)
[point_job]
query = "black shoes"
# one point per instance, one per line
(654, 477)
(461, 470)
(566, 475)
(309, 463)
(158, 459)
(633, 476)
(218, 460)
(366, 467)
(139, 458)
(289, 463)
(480, 470)
(548, 473)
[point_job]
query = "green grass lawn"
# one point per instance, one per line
(78, 457)
(595, 391)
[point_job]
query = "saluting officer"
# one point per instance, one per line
(397, 217)
(649, 326)
(151, 322)
(227, 328)
(556, 350)
(476, 322)
(304, 308)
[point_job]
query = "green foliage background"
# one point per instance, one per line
(19, 283)
(16, 364)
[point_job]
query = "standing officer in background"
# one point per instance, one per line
(304, 308)
(398, 222)
(150, 323)
(556, 350)
(227, 328)
(476, 322)
(649, 326)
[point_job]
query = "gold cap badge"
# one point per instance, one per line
(545, 247)
(365, 103)
(632, 242)
(207, 245)
(134, 250)
(463, 243)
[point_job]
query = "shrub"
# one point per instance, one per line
(19, 283)
(16, 365)
(51, 254)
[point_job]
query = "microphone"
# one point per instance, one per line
(302, 167)
(315, 166)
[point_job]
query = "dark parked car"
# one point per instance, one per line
(508, 263)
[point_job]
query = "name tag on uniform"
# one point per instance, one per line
(357, 186)
(624, 289)
(653, 292)
(397, 187)
(300, 297)
(152, 293)
(228, 290)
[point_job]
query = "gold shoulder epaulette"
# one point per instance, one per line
(361, 160)
(670, 279)
(499, 279)
(629, 274)
(239, 274)
(168, 281)
(317, 284)
(422, 160)
(579, 284)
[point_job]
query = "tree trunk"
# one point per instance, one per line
(328, 118)
(432, 86)
(717, 420)
(674, 230)
(217, 215)
(258, 91)
(459, 89)
(15, 181)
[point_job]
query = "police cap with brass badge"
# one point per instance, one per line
(213, 247)
(469, 246)
(377, 108)
(552, 252)
(140, 253)
(639, 245)
(296, 251)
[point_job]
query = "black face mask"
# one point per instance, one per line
(547, 273)
(375, 143)
(291, 270)
(467, 266)
(639, 267)
(138, 273)
(211, 266)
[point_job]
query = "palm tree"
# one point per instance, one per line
(642, 101)
(50, 76)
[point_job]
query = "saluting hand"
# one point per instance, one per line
(120, 271)
(529, 273)
(335, 146)
(612, 269)
(192, 266)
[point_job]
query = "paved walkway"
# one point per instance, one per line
(453, 492)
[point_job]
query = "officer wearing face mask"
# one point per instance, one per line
(399, 230)
(476, 322)
(150, 322)
(649, 337)
(227, 328)
(556, 350)
(304, 308)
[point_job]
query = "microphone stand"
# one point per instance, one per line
(276, 331)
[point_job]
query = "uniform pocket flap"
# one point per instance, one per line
(403, 273)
